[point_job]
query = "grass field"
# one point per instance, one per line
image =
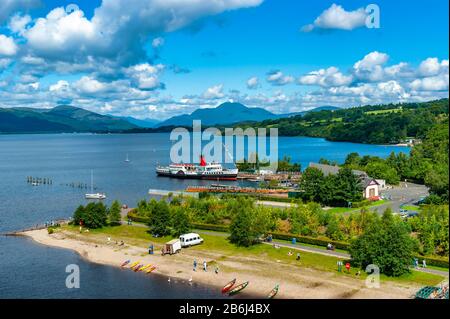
(384, 111)
(410, 207)
(139, 236)
(350, 210)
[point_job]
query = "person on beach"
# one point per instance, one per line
(204, 265)
(195, 264)
(216, 270)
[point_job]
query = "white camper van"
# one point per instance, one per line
(190, 239)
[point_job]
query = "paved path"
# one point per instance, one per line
(274, 204)
(315, 250)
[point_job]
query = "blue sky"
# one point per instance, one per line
(103, 56)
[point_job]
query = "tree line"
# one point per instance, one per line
(372, 124)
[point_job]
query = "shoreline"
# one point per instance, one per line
(107, 258)
(295, 283)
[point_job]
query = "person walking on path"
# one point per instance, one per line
(424, 264)
(216, 270)
(204, 265)
(298, 256)
(195, 264)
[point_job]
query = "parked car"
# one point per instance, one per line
(190, 239)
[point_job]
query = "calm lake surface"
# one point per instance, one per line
(29, 270)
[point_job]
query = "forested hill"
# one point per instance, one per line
(374, 124)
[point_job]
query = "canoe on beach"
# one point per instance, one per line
(136, 268)
(125, 263)
(135, 264)
(273, 292)
(228, 286)
(238, 288)
(144, 267)
(150, 269)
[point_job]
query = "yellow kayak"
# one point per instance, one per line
(150, 269)
(134, 264)
(144, 267)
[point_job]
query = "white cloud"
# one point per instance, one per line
(61, 32)
(117, 26)
(432, 83)
(4, 63)
(214, 92)
(11, 6)
(253, 83)
(7, 46)
(326, 78)
(335, 17)
(145, 76)
(60, 85)
(89, 85)
(158, 42)
(432, 66)
(278, 78)
(18, 23)
(370, 68)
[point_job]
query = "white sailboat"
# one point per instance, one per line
(127, 159)
(93, 195)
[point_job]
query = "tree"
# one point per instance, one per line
(241, 228)
(311, 182)
(352, 160)
(114, 213)
(180, 221)
(385, 243)
(79, 215)
(95, 215)
(380, 169)
(160, 219)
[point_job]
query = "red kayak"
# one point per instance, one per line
(228, 286)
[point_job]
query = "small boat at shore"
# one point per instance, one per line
(273, 292)
(238, 288)
(134, 264)
(136, 268)
(144, 267)
(150, 269)
(125, 263)
(228, 286)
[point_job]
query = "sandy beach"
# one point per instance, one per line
(295, 282)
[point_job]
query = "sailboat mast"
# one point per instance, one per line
(92, 181)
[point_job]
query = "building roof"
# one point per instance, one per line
(367, 181)
(330, 169)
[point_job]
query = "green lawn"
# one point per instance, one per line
(410, 207)
(351, 210)
(139, 236)
(384, 111)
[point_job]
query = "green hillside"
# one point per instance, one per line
(62, 118)
(375, 124)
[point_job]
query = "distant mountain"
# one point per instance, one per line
(317, 109)
(231, 113)
(145, 123)
(225, 113)
(63, 118)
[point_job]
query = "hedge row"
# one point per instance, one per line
(435, 261)
(318, 241)
(136, 218)
(221, 228)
